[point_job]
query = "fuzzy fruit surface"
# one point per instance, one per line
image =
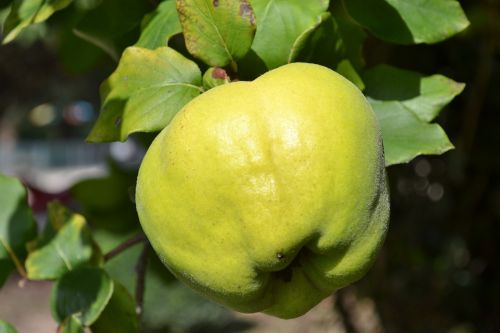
(268, 195)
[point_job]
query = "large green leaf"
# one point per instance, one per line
(159, 26)
(65, 245)
(145, 92)
(405, 136)
(119, 315)
(113, 25)
(24, 13)
(219, 32)
(83, 292)
(425, 96)
(282, 25)
(409, 21)
(5, 327)
(17, 226)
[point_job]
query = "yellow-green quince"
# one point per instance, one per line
(268, 195)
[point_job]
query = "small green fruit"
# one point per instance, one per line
(268, 195)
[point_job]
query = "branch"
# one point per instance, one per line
(140, 268)
(125, 245)
(344, 312)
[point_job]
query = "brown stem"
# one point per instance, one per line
(125, 245)
(140, 269)
(344, 312)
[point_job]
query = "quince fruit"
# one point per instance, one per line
(268, 195)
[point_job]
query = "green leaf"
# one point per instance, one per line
(282, 25)
(65, 245)
(409, 21)
(213, 77)
(5, 327)
(405, 136)
(83, 292)
(24, 13)
(145, 92)
(113, 25)
(425, 96)
(346, 69)
(219, 32)
(71, 325)
(159, 26)
(119, 315)
(17, 226)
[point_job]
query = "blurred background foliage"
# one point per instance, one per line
(438, 270)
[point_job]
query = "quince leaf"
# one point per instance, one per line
(17, 226)
(145, 92)
(283, 26)
(219, 32)
(425, 96)
(24, 13)
(159, 26)
(405, 136)
(120, 313)
(65, 244)
(83, 292)
(409, 21)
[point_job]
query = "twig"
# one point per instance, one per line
(344, 313)
(140, 269)
(125, 245)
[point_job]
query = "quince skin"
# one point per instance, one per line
(268, 195)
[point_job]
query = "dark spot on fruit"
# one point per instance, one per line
(219, 73)
(118, 121)
(280, 256)
(216, 3)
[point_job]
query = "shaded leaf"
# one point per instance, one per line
(213, 77)
(425, 96)
(5, 327)
(24, 13)
(145, 92)
(17, 226)
(159, 26)
(282, 25)
(405, 136)
(409, 21)
(65, 245)
(119, 315)
(113, 25)
(71, 325)
(83, 292)
(219, 32)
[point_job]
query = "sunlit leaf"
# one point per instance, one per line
(159, 26)
(145, 92)
(405, 136)
(282, 26)
(65, 245)
(219, 32)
